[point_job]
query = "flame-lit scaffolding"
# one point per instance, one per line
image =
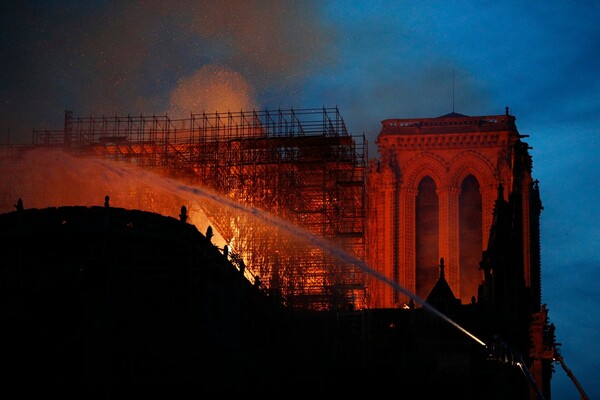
(300, 165)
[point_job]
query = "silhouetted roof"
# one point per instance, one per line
(441, 292)
(453, 115)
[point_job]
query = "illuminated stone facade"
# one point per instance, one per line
(431, 195)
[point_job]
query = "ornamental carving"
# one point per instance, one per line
(470, 163)
(425, 164)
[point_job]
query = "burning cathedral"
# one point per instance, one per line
(419, 270)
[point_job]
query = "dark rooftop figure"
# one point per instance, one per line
(106, 212)
(183, 216)
(226, 251)
(209, 233)
(243, 267)
(257, 281)
(19, 205)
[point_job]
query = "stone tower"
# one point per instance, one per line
(432, 194)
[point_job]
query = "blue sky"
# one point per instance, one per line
(372, 59)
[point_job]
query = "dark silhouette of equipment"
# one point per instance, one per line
(558, 357)
(501, 352)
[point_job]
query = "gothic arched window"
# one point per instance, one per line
(470, 237)
(427, 237)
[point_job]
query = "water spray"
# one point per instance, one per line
(176, 187)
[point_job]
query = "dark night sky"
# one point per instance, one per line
(372, 59)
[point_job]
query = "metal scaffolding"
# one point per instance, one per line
(300, 165)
